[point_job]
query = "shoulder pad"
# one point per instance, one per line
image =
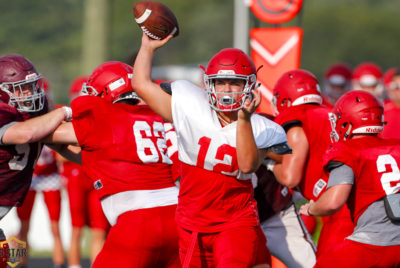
(282, 148)
(166, 87)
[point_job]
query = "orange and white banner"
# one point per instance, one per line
(278, 50)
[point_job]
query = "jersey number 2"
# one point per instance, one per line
(390, 180)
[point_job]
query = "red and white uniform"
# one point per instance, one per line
(392, 117)
(47, 180)
(17, 161)
(84, 204)
(374, 162)
(124, 154)
(172, 150)
(314, 119)
(214, 196)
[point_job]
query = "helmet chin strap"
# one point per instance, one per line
(348, 131)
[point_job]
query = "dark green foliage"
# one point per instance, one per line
(50, 34)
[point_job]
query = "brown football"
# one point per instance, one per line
(155, 19)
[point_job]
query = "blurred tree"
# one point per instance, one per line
(50, 33)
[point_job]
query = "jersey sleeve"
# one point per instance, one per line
(84, 110)
(8, 117)
(341, 175)
(266, 132)
(290, 117)
(185, 97)
(339, 152)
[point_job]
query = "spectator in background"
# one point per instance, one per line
(336, 82)
(46, 179)
(391, 105)
(368, 76)
(85, 207)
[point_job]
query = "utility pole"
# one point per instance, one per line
(241, 25)
(95, 34)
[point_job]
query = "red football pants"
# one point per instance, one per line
(235, 247)
(142, 238)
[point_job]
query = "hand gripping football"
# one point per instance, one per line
(155, 19)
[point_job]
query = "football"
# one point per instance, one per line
(155, 19)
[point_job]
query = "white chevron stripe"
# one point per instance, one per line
(265, 92)
(273, 59)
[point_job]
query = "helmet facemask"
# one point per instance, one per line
(229, 101)
(88, 90)
(26, 95)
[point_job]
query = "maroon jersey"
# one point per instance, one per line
(375, 165)
(116, 141)
(392, 117)
(271, 196)
(314, 120)
(16, 161)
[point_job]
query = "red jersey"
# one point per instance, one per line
(314, 119)
(46, 163)
(116, 140)
(392, 117)
(72, 171)
(16, 161)
(375, 165)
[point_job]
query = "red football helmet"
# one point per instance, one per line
(20, 84)
(367, 76)
(388, 76)
(75, 88)
(229, 63)
(112, 81)
(296, 87)
(356, 112)
(338, 74)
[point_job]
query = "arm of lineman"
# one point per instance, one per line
(34, 129)
(341, 181)
(290, 171)
(69, 152)
(158, 100)
(63, 140)
(248, 155)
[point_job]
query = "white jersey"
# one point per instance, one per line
(203, 142)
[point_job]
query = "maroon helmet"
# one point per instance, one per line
(21, 84)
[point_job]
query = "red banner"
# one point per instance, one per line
(278, 50)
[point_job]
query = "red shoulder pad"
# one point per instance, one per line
(339, 152)
(291, 116)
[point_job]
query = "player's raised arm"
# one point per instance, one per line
(150, 92)
(246, 149)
